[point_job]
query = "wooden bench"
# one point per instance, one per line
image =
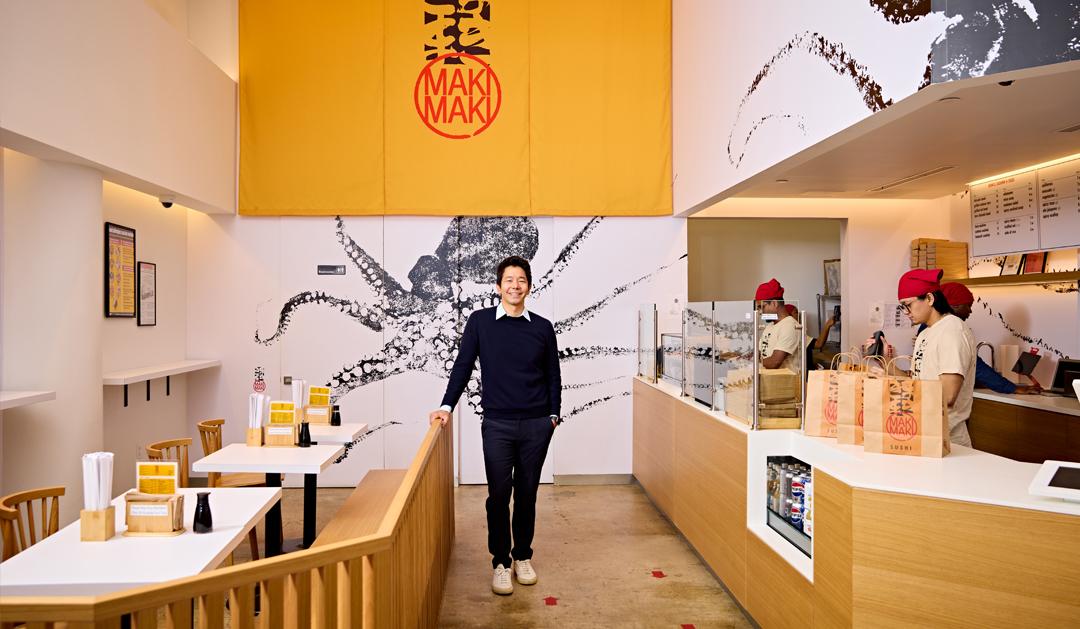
(363, 512)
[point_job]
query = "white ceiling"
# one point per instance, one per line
(980, 129)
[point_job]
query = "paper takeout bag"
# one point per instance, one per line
(905, 416)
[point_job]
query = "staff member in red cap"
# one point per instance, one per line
(780, 340)
(961, 300)
(945, 350)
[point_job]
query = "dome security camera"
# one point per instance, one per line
(167, 201)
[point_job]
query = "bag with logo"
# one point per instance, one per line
(905, 416)
(822, 389)
(849, 400)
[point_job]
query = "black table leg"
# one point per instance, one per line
(273, 520)
(310, 500)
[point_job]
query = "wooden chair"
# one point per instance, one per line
(172, 450)
(17, 517)
(210, 436)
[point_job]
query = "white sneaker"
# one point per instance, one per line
(524, 572)
(501, 583)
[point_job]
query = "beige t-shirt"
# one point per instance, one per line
(948, 346)
(784, 336)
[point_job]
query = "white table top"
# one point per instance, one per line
(345, 433)
(14, 399)
(1055, 404)
(61, 564)
(238, 457)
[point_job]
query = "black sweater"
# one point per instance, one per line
(519, 365)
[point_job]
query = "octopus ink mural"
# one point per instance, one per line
(421, 325)
(973, 38)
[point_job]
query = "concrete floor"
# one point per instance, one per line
(595, 551)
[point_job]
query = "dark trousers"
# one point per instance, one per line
(514, 453)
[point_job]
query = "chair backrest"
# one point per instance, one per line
(210, 435)
(172, 450)
(17, 518)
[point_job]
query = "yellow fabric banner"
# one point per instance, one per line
(455, 107)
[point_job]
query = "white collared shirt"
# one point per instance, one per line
(501, 312)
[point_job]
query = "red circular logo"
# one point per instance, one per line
(259, 386)
(457, 101)
(901, 426)
(830, 412)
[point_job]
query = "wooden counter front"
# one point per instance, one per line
(1024, 434)
(881, 559)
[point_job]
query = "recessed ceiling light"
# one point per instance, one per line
(781, 181)
(949, 99)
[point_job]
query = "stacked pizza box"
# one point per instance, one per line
(935, 253)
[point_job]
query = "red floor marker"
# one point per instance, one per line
(659, 574)
(551, 600)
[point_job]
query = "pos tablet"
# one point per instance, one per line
(1057, 479)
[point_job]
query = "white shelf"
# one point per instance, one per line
(13, 399)
(140, 374)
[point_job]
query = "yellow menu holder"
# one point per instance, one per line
(317, 414)
(97, 526)
(280, 431)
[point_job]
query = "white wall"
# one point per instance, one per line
(50, 322)
(752, 86)
(161, 238)
(114, 85)
(729, 258)
(876, 238)
(243, 270)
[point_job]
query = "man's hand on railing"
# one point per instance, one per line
(439, 416)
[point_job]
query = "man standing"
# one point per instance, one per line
(521, 393)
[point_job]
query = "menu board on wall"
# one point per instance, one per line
(1030, 211)
(1059, 205)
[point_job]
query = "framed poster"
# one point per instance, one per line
(147, 282)
(119, 271)
(832, 277)
(1034, 263)
(1011, 265)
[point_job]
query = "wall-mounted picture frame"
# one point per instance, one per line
(147, 281)
(1034, 263)
(832, 277)
(120, 295)
(1012, 264)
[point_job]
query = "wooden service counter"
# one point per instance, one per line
(898, 541)
(1032, 428)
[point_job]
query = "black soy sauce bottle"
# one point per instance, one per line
(335, 415)
(204, 521)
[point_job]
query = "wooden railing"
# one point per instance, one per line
(394, 578)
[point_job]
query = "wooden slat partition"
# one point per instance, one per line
(392, 578)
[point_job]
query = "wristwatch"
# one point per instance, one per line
(556, 419)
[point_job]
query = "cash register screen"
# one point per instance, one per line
(1067, 478)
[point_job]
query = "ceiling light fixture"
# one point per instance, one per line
(910, 178)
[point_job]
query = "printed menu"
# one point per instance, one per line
(1031, 211)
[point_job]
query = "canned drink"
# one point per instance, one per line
(785, 494)
(797, 483)
(808, 506)
(796, 517)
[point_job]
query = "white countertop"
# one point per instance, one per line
(238, 457)
(150, 372)
(1064, 404)
(61, 564)
(345, 433)
(15, 399)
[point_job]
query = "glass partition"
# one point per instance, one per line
(697, 342)
(779, 391)
(733, 355)
(646, 353)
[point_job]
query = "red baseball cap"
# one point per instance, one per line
(957, 294)
(791, 310)
(918, 282)
(769, 290)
